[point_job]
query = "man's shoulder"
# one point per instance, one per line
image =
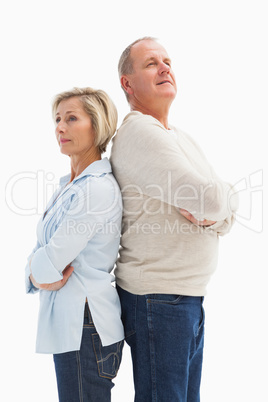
(137, 124)
(135, 118)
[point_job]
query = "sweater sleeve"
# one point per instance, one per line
(164, 171)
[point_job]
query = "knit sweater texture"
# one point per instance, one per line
(160, 171)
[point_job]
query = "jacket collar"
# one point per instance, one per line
(96, 169)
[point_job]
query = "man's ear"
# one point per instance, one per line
(126, 84)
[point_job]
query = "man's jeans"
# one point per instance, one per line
(166, 336)
(86, 375)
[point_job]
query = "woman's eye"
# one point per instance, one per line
(57, 120)
(72, 118)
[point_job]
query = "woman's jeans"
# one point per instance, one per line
(86, 375)
(166, 336)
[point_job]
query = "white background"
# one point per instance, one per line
(219, 53)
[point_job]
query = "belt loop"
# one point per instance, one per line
(87, 315)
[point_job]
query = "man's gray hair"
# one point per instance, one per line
(125, 65)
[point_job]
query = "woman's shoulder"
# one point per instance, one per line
(100, 193)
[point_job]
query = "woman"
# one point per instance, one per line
(78, 240)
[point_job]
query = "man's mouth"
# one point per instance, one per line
(164, 82)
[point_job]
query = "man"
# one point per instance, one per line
(175, 207)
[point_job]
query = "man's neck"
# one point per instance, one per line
(161, 116)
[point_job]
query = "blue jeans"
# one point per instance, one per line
(166, 336)
(86, 375)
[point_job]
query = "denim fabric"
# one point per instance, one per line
(166, 336)
(86, 375)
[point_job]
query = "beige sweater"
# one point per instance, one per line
(160, 171)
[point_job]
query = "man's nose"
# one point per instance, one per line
(164, 68)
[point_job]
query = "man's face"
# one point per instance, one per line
(153, 80)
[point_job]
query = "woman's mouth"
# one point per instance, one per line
(64, 140)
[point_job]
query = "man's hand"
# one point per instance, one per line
(67, 272)
(190, 218)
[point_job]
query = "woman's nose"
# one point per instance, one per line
(60, 127)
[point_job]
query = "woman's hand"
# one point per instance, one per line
(67, 272)
(190, 218)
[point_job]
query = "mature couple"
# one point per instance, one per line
(174, 209)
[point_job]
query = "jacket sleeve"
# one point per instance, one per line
(30, 288)
(88, 211)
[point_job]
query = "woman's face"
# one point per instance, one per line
(74, 130)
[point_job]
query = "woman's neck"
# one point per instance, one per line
(80, 163)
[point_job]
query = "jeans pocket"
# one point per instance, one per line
(108, 357)
(202, 320)
(164, 299)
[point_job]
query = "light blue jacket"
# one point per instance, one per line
(81, 226)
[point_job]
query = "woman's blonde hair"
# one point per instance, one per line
(101, 109)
